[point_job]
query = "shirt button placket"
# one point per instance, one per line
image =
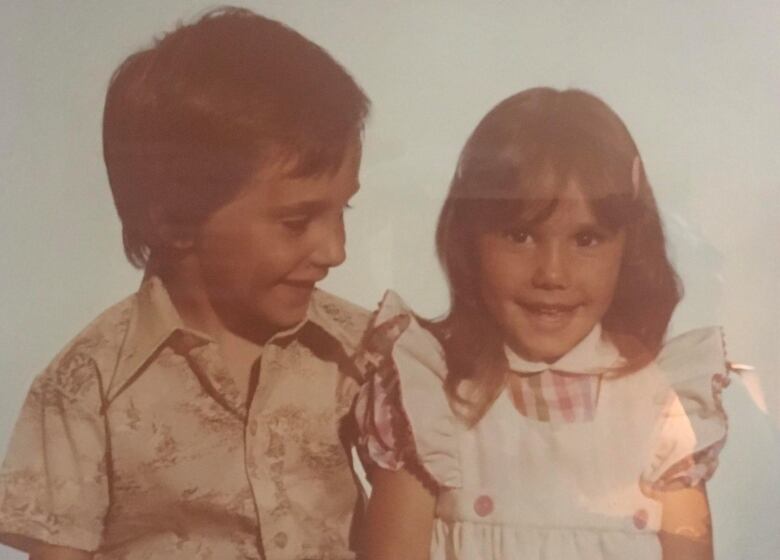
(280, 539)
(254, 458)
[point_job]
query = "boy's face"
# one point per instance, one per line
(260, 255)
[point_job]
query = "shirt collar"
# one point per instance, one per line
(594, 354)
(155, 322)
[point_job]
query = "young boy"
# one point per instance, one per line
(201, 417)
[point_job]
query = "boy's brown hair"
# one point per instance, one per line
(188, 121)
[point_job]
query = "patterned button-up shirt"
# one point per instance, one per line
(136, 443)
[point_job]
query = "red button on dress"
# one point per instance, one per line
(640, 518)
(483, 505)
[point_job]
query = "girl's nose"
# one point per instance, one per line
(552, 267)
(330, 250)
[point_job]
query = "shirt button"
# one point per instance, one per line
(483, 505)
(280, 540)
(640, 518)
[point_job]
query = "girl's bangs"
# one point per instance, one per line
(605, 180)
(529, 194)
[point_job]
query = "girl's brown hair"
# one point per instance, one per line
(499, 176)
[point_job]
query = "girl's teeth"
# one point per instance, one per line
(549, 310)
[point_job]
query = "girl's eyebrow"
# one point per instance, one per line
(588, 224)
(596, 227)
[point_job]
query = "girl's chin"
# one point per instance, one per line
(547, 347)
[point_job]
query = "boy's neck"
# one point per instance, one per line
(191, 302)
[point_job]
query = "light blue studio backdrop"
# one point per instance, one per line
(697, 83)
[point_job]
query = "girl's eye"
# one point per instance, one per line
(517, 235)
(588, 238)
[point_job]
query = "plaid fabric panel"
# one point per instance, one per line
(552, 396)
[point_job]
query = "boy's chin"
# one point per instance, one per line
(259, 325)
(282, 319)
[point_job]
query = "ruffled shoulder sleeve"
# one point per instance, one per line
(692, 424)
(403, 414)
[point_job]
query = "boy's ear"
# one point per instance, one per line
(169, 232)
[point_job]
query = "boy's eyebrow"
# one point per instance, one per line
(306, 206)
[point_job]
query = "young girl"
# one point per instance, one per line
(544, 418)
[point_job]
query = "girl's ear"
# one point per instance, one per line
(168, 232)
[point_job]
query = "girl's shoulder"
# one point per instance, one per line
(402, 411)
(696, 354)
(691, 361)
(689, 375)
(398, 331)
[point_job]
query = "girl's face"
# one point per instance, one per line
(549, 283)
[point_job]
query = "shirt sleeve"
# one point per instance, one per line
(402, 412)
(53, 483)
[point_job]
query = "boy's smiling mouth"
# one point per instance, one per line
(303, 284)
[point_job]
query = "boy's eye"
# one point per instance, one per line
(297, 224)
(344, 209)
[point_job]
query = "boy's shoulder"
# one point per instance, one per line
(95, 348)
(344, 320)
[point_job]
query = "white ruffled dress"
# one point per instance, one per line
(513, 487)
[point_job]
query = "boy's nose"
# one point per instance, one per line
(552, 270)
(330, 250)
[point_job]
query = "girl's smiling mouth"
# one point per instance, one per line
(549, 316)
(548, 308)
